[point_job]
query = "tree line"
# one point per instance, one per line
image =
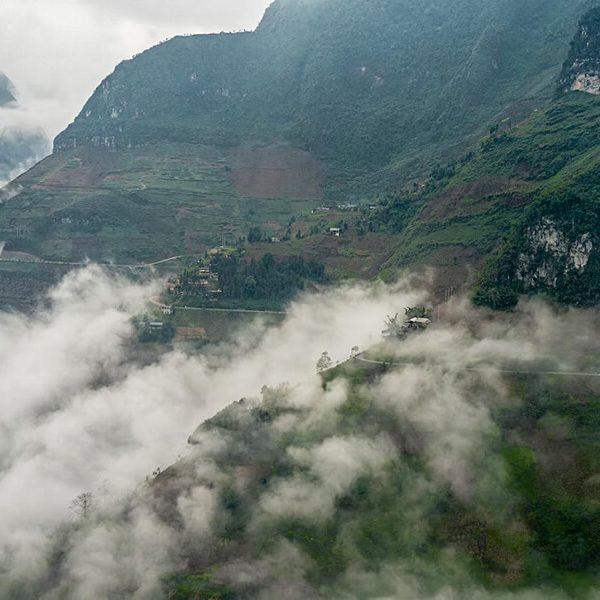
(266, 278)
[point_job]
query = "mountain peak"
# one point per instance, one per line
(7, 91)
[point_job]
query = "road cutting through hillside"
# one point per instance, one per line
(39, 261)
(243, 311)
(361, 358)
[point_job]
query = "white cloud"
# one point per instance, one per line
(57, 52)
(75, 415)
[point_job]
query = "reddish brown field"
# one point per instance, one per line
(276, 172)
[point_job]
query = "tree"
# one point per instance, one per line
(324, 363)
(83, 504)
(393, 327)
(250, 286)
(255, 235)
(354, 352)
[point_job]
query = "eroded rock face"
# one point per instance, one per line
(581, 72)
(587, 82)
(551, 255)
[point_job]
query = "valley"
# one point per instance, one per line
(311, 312)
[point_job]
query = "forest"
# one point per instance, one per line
(267, 278)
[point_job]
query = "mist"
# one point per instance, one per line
(79, 414)
(63, 63)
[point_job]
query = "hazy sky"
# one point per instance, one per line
(57, 51)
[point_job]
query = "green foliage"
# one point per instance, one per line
(546, 533)
(267, 278)
(363, 84)
(158, 335)
(255, 235)
(196, 587)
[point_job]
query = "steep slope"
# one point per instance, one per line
(359, 83)
(582, 69)
(528, 197)
(526, 202)
(197, 140)
(6, 91)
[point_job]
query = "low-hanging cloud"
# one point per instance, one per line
(77, 416)
(79, 413)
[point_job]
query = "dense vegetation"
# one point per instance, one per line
(360, 84)
(557, 155)
(267, 278)
(542, 529)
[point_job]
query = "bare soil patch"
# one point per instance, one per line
(276, 172)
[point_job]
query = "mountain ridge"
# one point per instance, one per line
(315, 76)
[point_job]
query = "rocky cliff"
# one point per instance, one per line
(581, 71)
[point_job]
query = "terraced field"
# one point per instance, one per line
(143, 204)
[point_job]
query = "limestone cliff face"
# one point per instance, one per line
(581, 71)
(551, 255)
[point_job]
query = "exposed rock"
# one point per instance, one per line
(552, 254)
(581, 71)
(587, 82)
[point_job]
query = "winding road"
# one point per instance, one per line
(361, 358)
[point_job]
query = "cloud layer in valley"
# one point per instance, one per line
(79, 414)
(76, 416)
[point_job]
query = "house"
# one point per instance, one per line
(335, 231)
(418, 323)
(156, 325)
(168, 310)
(275, 240)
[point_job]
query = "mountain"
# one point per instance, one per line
(325, 101)
(520, 214)
(7, 91)
(379, 108)
(582, 68)
(359, 84)
(20, 148)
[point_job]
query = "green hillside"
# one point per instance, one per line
(529, 197)
(364, 85)
(382, 105)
